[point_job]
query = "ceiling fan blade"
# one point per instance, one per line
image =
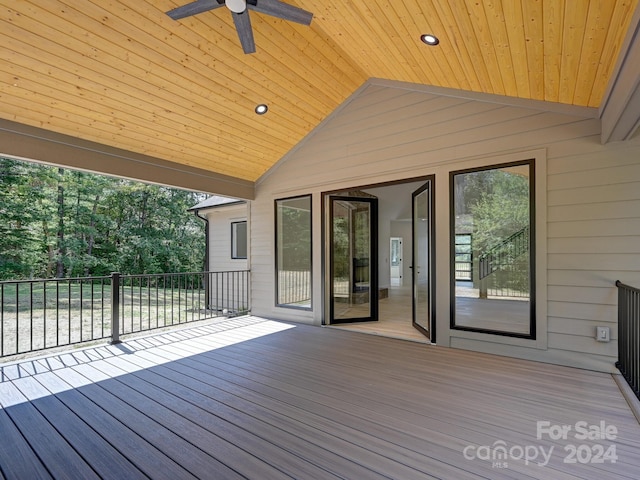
(282, 10)
(245, 34)
(193, 8)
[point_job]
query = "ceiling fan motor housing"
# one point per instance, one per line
(236, 6)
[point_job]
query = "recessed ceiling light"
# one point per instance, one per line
(261, 109)
(429, 39)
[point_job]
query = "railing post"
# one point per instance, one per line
(115, 308)
(207, 293)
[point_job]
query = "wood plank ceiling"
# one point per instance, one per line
(123, 74)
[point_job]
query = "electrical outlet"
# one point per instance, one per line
(603, 334)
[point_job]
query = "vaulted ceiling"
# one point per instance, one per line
(123, 74)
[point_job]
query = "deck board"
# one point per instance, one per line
(274, 405)
(146, 458)
(252, 433)
(501, 423)
(350, 456)
(99, 454)
(254, 398)
(144, 419)
(390, 414)
(58, 456)
(184, 422)
(17, 458)
(285, 430)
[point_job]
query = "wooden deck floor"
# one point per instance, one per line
(253, 398)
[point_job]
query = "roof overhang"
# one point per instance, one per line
(36, 144)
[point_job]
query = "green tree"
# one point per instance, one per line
(25, 212)
(498, 208)
(501, 209)
(154, 233)
(71, 223)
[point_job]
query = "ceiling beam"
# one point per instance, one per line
(39, 145)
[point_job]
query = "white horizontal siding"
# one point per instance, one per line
(580, 327)
(589, 159)
(220, 220)
(583, 294)
(617, 244)
(400, 160)
(594, 239)
(591, 207)
(568, 308)
(607, 175)
(578, 344)
(601, 278)
(604, 193)
(621, 262)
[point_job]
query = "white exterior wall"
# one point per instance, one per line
(587, 212)
(220, 219)
(228, 292)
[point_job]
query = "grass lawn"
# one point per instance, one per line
(43, 314)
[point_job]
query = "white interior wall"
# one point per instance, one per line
(403, 229)
(384, 234)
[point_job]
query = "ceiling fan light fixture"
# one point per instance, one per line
(236, 6)
(261, 109)
(429, 39)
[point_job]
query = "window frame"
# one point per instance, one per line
(234, 241)
(276, 203)
(531, 335)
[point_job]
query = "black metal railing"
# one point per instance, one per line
(294, 287)
(629, 335)
(503, 270)
(41, 314)
(502, 254)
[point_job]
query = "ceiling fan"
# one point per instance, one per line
(240, 12)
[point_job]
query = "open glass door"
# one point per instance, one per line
(353, 259)
(422, 225)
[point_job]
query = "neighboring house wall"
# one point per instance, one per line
(588, 206)
(220, 220)
(228, 291)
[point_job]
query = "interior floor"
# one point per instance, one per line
(506, 314)
(394, 314)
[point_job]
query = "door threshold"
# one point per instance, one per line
(361, 328)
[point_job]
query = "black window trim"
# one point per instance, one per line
(532, 253)
(233, 241)
(275, 244)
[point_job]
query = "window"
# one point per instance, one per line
(238, 240)
(492, 249)
(293, 252)
(464, 256)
